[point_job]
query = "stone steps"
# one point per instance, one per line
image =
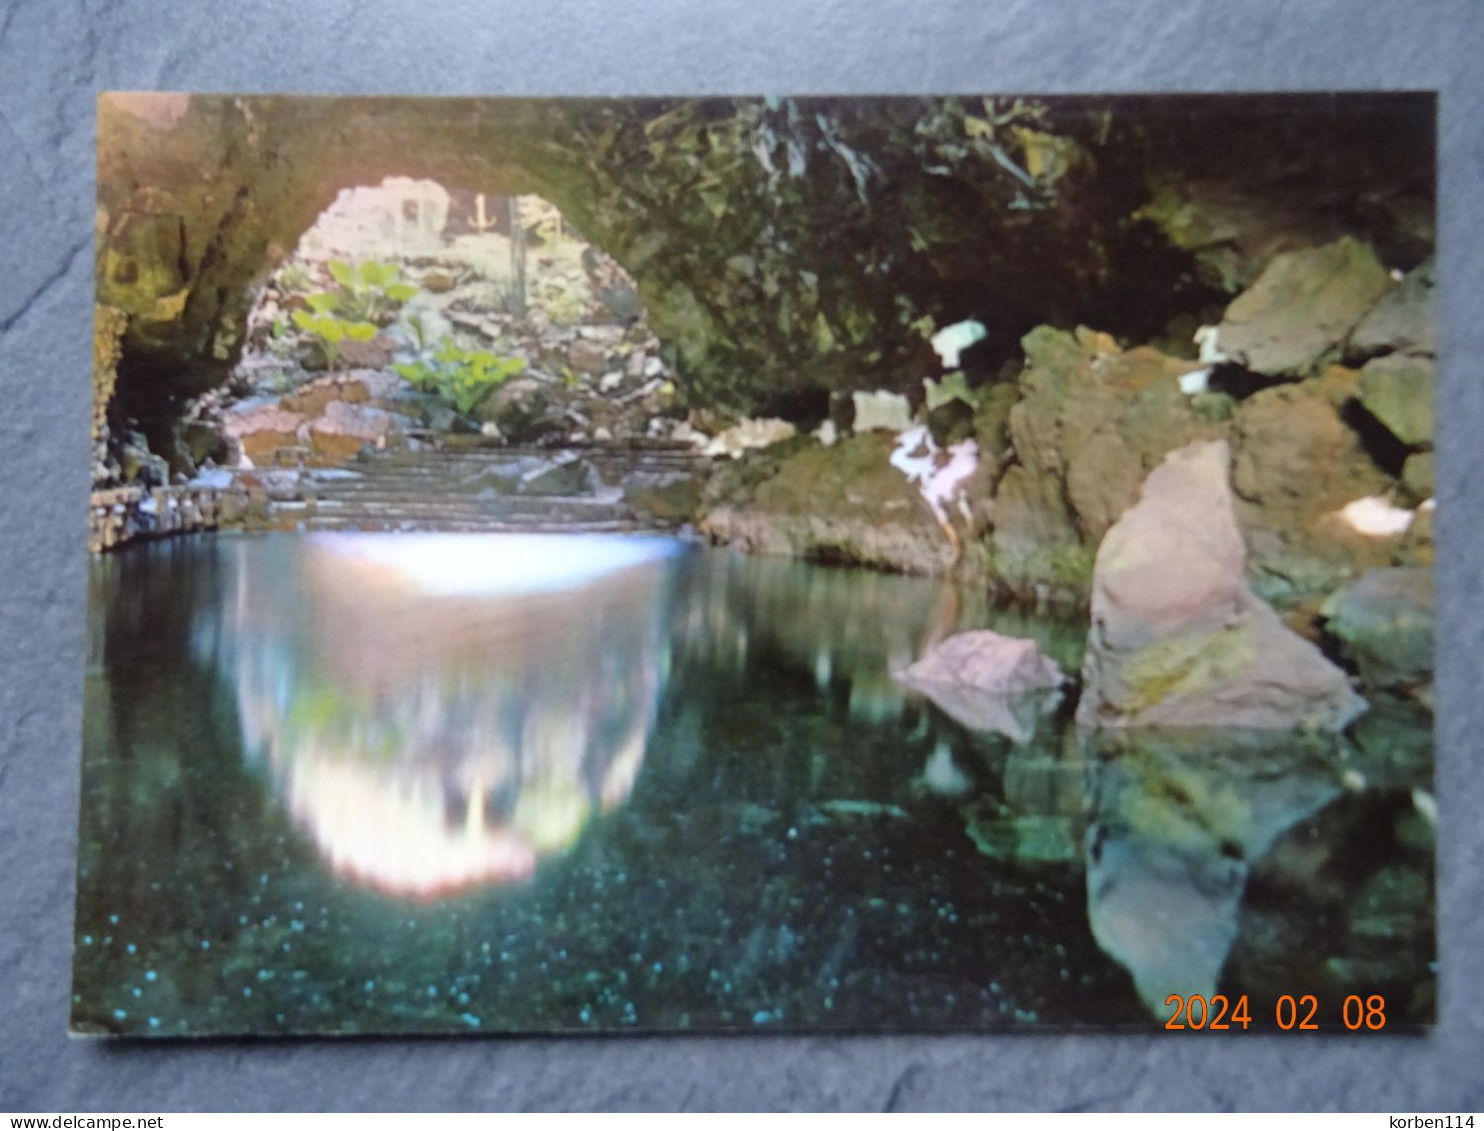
(469, 526)
(474, 490)
(575, 510)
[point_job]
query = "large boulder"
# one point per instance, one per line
(1301, 308)
(1091, 422)
(1178, 638)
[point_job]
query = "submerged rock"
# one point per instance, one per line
(1386, 621)
(1178, 819)
(989, 682)
(987, 662)
(1302, 307)
(1178, 638)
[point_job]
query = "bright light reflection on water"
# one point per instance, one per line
(444, 710)
(496, 564)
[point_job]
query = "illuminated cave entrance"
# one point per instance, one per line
(412, 313)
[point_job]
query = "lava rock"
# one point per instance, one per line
(1302, 306)
(1398, 391)
(1177, 637)
(1403, 321)
(559, 478)
(1419, 475)
(1386, 621)
(375, 354)
(843, 504)
(524, 409)
(1092, 420)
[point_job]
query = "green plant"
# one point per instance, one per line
(329, 330)
(461, 377)
(418, 330)
(371, 291)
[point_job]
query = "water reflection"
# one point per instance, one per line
(1178, 817)
(443, 711)
(357, 785)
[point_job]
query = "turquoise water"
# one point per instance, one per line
(485, 784)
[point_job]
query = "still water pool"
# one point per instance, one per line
(359, 783)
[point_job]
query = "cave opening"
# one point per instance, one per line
(413, 310)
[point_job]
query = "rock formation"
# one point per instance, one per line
(844, 504)
(1177, 637)
(1303, 303)
(988, 662)
(987, 682)
(1386, 621)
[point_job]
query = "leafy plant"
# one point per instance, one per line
(461, 377)
(370, 292)
(328, 329)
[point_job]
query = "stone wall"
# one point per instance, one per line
(123, 514)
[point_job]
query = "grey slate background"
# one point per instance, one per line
(54, 56)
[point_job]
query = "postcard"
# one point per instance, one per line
(760, 564)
